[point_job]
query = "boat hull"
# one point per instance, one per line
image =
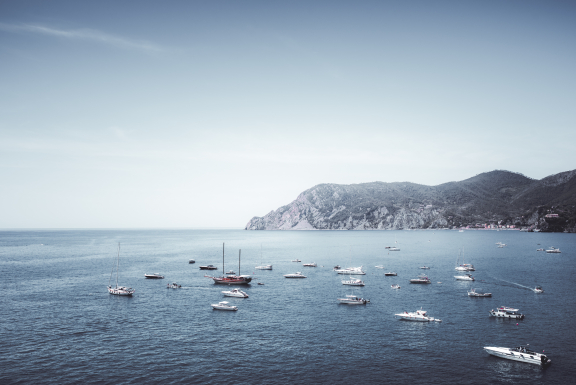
(534, 359)
(232, 281)
(506, 315)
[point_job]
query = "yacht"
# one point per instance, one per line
(418, 315)
(520, 353)
(264, 267)
(353, 282)
(118, 290)
(425, 267)
(394, 248)
(235, 293)
(313, 264)
(421, 279)
(391, 274)
(223, 305)
(395, 286)
(465, 277)
(554, 250)
(232, 279)
(154, 276)
(208, 267)
(353, 300)
(351, 271)
(191, 261)
(538, 289)
(506, 312)
(296, 275)
(474, 293)
(173, 285)
(296, 260)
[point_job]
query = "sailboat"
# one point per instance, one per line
(463, 266)
(118, 290)
(232, 279)
(263, 266)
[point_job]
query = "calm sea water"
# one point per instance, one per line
(60, 325)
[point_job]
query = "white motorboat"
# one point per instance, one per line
(520, 353)
(391, 274)
(379, 266)
(394, 249)
(425, 267)
(418, 316)
(540, 249)
(296, 260)
(296, 275)
(264, 267)
(313, 264)
(191, 261)
(474, 293)
(351, 271)
(235, 293)
(223, 305)
(506, 312)
(208, 267)
(466, 277)
(538, 289)
(118, 290)
(353, 300)
(353, 282)
(154, 276)
(421, 279)
(395, 286)
(173, 285)
(553, 250)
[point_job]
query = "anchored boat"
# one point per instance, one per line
(520, 353)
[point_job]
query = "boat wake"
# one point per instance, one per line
(514, 283)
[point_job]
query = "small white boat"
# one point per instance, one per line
(379, 266)
(425, 267)
(391, 274)
(474, 293)
(264, 267)
(353, 300)
(191, 261)
(235, 293)
(421, 279)
(313, 264)
(296, 260)
(538, 289)
(223, 305)
(506, 312)
(394, 249)
(351, 271)
(296, 275)
(154, 276)
(173, 285)
(418, 316)
(337, 267)
(540, 249)
(553, 250)
(520, 353)
(395, 286)
(353, 282)
(466, 277)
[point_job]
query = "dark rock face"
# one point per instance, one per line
(494, 198)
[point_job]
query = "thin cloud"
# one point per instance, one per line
(83, 34)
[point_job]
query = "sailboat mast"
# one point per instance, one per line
(239, 254)
(118, 264)
(223, 271)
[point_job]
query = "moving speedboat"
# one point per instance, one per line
(208, 267)
(395, 286)
(235, 293)
(223, 305)
(421, 279)
(520, 353)
(351, 271)
(353, 282)
(466, 277)
(296, 275)
(353, 300)
(506, 312)
(554, 250)
(173, 285)
(154, 276)
(391, 274)
(474, 293)
(264, 267)
(418, 315)
(313, 264)
(538, 289)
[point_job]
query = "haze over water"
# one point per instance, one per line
(61, 326)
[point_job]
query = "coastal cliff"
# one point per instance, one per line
(492, 199)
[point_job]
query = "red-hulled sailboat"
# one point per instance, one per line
(232, 279)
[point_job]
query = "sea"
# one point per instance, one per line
(61, 326)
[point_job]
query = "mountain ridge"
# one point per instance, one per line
(490, 199)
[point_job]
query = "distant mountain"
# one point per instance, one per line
(495, 198)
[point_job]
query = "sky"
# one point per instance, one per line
(204, 114)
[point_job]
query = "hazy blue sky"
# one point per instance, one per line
(205, 114)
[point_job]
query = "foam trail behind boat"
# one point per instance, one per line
(513, 283)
